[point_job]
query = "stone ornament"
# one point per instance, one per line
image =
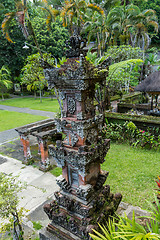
(71, 105)
(82, 200)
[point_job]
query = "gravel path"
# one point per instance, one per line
(28, 110)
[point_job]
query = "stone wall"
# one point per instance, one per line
(141, 121)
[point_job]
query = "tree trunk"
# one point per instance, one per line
(2, 97)
(40, 95)
(17, 228)
(35, 95)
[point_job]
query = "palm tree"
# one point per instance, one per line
(5, 83)
(130, 23)
(86, 16)
(20, 13)
(120, 20)
(109, 4)
(142, 22)
(96, 28)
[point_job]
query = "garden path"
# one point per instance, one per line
(11, 134)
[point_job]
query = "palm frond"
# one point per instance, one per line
(6, 23)
(96, 8)
(154, 24)
(149, 12)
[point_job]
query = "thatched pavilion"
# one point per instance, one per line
(151, 85)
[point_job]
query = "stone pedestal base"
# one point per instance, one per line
(45, 235)
(73, 218)
(61, 232)
(56, 233)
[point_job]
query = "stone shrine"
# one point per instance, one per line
(82, 201)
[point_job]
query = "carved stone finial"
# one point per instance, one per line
(74, 45)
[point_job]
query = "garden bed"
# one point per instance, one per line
(141, 121)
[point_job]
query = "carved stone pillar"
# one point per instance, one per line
(82, 200)
(26, 148)
(43, 148)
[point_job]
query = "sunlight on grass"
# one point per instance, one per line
(9, 120)
(133, 173)
(27, 102)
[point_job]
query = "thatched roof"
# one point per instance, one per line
(150, 84)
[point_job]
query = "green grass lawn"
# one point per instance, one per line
(132, 172)
(10, 120)
(27, 102)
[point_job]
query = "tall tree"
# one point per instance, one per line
(129, 23)
(151, 4)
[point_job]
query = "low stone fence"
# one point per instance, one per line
(125, 107)
(141, 121)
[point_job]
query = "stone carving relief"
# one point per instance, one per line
(85, 192)
(71, 105)
(81, 84)
(63, 184)
(74, 138)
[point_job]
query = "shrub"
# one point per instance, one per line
(5, 95)
(128, 132)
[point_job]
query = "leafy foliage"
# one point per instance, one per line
(9, 187)
(151, 4)
(33, 75)
(5, 82)
(124, 52)
(53, 41)
(124, 74)
(127, 229)
(128, 132)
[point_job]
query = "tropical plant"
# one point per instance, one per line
(109, 4)
(140, 29)
(120, 74)
(80, 16)
(9, 188)
(127, 229)
(5, 82)
(96, 29)
(154, 5)
(11, 55)
(129, 133)
(123, 52)
(130, 25)
(119, 20)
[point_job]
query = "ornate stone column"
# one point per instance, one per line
(24, 138)
(43, 148)
(82, 200)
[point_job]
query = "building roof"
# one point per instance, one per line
(150, 84)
